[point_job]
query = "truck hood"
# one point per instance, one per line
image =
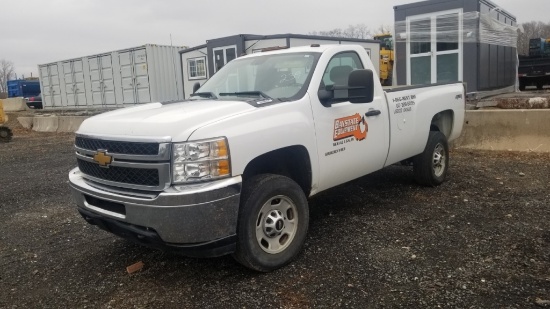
(174, 120)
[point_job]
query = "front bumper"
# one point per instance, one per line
(195, 220)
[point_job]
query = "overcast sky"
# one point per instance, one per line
(40, 31)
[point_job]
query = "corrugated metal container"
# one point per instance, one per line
(473, 41)
(148, 73)
(23, 88)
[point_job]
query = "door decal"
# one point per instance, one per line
(351, 126)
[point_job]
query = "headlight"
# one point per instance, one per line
(201, 160)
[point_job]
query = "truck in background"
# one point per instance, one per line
(534, 69)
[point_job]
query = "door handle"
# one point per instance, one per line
(373, 112)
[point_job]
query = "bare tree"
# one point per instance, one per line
(7, 72)
(336, 32)
(383, 29)
(531, 30)
(357, 31)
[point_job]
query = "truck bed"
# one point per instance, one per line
(411, 110)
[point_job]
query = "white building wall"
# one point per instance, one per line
(256, 45)
(187, 81)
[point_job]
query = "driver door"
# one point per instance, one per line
(350, 144)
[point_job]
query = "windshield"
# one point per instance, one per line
(275, 76)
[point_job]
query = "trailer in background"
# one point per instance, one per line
(201, 62)
(23, 88)
(143, 74)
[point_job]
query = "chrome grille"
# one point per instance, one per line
(137, 163)
(133, 176)
(131, 148)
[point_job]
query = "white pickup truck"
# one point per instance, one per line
(230, 169)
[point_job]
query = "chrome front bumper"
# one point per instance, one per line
(180, 215)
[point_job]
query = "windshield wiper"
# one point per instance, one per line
(205, 95)
(246, 94)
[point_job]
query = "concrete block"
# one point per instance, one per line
(69, 123)
(15, 105)
(45, 123)
(26, 122)
(515, 130)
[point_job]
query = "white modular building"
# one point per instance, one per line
(125, 77)
(201, 62)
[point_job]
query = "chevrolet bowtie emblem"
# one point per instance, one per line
(102, 158)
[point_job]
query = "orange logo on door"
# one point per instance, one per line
(351, 126)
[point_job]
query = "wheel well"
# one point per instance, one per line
(443, 122)
(292, 162)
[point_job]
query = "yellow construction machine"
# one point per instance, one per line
(5, 132)
(386, 58)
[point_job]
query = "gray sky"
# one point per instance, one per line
(41, 31)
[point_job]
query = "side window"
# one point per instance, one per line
(339, 67)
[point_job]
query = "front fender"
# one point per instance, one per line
(265, 129)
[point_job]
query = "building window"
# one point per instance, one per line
(196, 68)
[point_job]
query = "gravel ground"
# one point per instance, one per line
(481, 240)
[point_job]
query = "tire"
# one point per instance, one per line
(431, 166)
(273, 222)
(522, 87)
(540, 86)
(5, 134)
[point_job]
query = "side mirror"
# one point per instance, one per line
(361, 86)
(325, 96)
(360, 89)
(196, 87)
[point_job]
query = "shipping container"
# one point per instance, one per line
(474, 41)
(143, 74)
(201, 62)
(23, 88)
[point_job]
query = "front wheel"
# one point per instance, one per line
(431, 166)
(273, 222)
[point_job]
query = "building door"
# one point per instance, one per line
(223, 55)
(434, 48)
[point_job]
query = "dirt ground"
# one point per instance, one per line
(480, 240)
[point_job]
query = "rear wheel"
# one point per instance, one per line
(273, 222)
(540, 86)
(431, 166)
